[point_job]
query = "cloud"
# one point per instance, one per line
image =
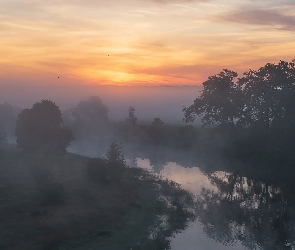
(258, 17)
(176, 1)
(128, 3)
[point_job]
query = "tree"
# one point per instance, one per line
(220, 101)
(132, 119)
(115, 162)
(90, 123)
(115, 155)
(269, 95)
(92, 112)
(40, 129)
(262, 99)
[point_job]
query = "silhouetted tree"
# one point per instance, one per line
(269, 95)
(131, 119)
(40, 129)
(220, 101)
(115, 155)
(263, 98)
(115, 162)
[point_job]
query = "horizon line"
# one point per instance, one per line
(150, 85)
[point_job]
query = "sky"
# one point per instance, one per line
(140, 42)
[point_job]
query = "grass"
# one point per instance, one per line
(49, 203)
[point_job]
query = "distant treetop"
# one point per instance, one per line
(92, 110)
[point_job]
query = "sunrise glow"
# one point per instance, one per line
(146, 42)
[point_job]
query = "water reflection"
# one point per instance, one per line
(195, 181)
(191, 179)
(234, 211)
(195, 238)
(251, 211)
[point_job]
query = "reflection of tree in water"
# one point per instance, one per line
(132, 160)
(246, 210)
(163, 213)
(157, 165)
(157, 161)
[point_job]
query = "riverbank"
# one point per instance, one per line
(50, 203)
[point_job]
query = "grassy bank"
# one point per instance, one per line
(50, 203)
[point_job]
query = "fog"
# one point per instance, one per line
(164, 102)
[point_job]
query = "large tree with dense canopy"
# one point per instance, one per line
(39, 129)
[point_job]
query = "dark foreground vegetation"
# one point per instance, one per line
(55, 202)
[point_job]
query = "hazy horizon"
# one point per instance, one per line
(164, 102)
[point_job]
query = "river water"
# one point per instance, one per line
(238, 209)
(191, 179)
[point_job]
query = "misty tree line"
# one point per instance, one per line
(260, 99)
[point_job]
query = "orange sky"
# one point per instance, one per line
(145, 42)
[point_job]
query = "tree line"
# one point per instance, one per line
(264, 98)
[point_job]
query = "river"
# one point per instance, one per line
(238, 206)
(191, 179)
(234, 210)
